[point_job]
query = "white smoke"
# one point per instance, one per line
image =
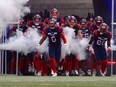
(74, 45)
(25, 43)
(11, 10)
(69, 33)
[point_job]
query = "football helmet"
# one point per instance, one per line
(52, 22)
(54, 13)
(37, 17)
(71, 21)
(103, 28)
(98, 20)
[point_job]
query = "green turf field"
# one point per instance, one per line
(34, 81)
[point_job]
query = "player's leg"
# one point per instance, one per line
(89, 63)
(13, 62)
(94, 64)
(45, 65)
(25, 66)
(37, 64)
(52, 60)
(67, 64)
(104, 62)
(98, 54)
(20, 63)
(76, 64)
(30, 58)
(57, 58)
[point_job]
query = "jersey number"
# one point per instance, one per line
(53, 38)
(99, 42)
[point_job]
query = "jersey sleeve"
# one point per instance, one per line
(60, 30)
(44, 32)
(110, 35)
(95, 33)
(29, 23)
(91, 28)
(43, 25)
(46, 21)
(61, 20)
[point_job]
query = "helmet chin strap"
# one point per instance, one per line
(101, 33)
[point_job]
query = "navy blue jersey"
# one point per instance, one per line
(22, 28)
(39, 27)
(100, 40)
(54, 36)
(85, 32)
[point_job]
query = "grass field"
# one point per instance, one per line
(34, 81)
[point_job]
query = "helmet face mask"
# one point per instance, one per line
(71, 24)
(37, 19)
(103, 28)
(83, 23)
(98, 20)
(72, 21)
(52, 23)
(98, 23)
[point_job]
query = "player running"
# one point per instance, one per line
(54, 34)
(98, 39)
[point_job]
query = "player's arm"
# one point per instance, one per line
(93, 37)
(43, 26)
(109, 40)
(109, 43)
(62, 35)
(44, 36)
(91, 40)
(28, 24)
(46, 22)
(62, 22)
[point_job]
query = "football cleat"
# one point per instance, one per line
(67, 73)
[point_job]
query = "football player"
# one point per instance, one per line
(98, 39)
(54, 14)
(54, 34)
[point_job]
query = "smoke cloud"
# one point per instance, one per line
(74, 45)
(25, 43)
(11, 10)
